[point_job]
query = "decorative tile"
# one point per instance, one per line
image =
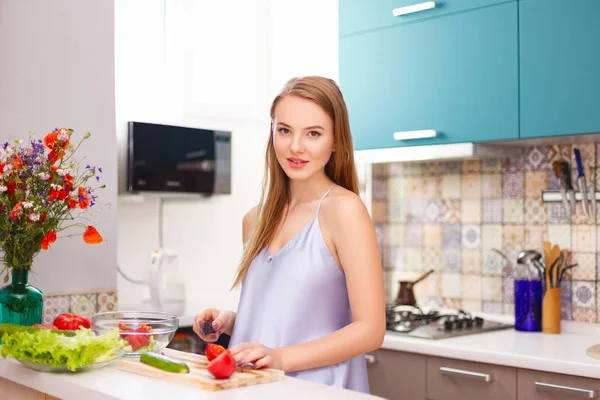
(452, 303)
(514, 163)
(379, 189)
(535, 236)
(379, 171)
(471, 261)
(557, 214)
(413, 235)
(553, 181)
(513, 237)
(513, 185)
(535, 183)
(492, 288)
(536, 158)
(451, 285)
(413, 259)
(508, 290)
(584, 294)
(586, 266)
(432, 168)
(379, 233)
(579, 217)
(559, 153)
(395, 169)
(389, 257)
(432, 187)
(53, 306)
(432, 236)
(394, 235)
(491, 211)
(451, 186)
(107, 301)
(584, 315)
(491, 236)
(394, 188)
(492, 263)
(414, 210)
(451, 235)
(560, 235)
(433, 211)
(535, 211)
(472, 306)
(84, 304)
(566, 300)
(471, 186)
(471, 211)
(451, 210)
(432, 259)
(471, 287)
(451, 259)
(492, 307)
(471, 236)
(583, 238)
(379, 211)
(491, 186)
(492, 165)
(513, 211)
(450, 167)
(509, 309)
(395, 212)
(413, 187)
(471, 166)
(588, 155)
(412, 169)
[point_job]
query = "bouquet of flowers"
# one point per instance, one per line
(41, 195)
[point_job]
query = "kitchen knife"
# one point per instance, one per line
(565, 172)
(563, 192)
(581, 182)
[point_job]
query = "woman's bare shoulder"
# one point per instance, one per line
(342, 206)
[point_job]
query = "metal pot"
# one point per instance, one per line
(406, 295)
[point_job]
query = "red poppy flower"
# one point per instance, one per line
(48, 239)
(17, 211)
(91, 236)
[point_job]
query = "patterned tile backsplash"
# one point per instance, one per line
(448, 216)
(84, 304)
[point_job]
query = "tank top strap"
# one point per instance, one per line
(322, 197)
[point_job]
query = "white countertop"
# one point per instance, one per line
(563, 353)
(111, 383)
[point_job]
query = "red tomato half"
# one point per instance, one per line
(223, 366)
(212, 351)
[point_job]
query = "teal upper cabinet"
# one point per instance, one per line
(560, 67)
(456, 74)
(361, 15)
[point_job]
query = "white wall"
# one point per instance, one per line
(57, 70)
(289, 38)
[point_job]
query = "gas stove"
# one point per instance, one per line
(414, 322)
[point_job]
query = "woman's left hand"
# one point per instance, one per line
(261, 356)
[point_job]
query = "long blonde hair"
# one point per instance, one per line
(276, 190)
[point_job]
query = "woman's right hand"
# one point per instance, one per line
(220, 322)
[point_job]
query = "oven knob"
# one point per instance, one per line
(469, 322)
(448, 325)
(479, 321)
(458, 323)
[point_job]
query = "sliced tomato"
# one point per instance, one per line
(212, 351)
(223, 366)
(135, 339)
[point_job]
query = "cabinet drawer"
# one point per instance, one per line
(537, 385)
(396, 375)
(361, 15)
(449, 379)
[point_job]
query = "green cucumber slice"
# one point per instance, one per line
(164, 363)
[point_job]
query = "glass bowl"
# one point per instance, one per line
(144, 330)
(51, 368)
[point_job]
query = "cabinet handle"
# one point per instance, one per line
(370, 358)
(427, 5)
(467, 374)
(409, 135)
(585, 393)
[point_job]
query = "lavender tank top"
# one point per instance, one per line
(297, 295)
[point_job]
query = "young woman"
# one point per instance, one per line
(312, 300)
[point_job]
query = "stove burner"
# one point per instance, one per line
(413, 321)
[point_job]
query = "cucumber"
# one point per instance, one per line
(12, 328)
(164, 363)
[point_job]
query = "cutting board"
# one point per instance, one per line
(199, 375)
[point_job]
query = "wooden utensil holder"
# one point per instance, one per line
(551, 311)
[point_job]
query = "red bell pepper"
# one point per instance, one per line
(71, 322)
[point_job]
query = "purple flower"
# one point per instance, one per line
(88, 166)
(100, 169)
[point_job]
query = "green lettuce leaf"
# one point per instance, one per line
(46, 347)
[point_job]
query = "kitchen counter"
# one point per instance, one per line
(564, 353)
(111, 383)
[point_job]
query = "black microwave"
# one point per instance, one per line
(165, 159)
